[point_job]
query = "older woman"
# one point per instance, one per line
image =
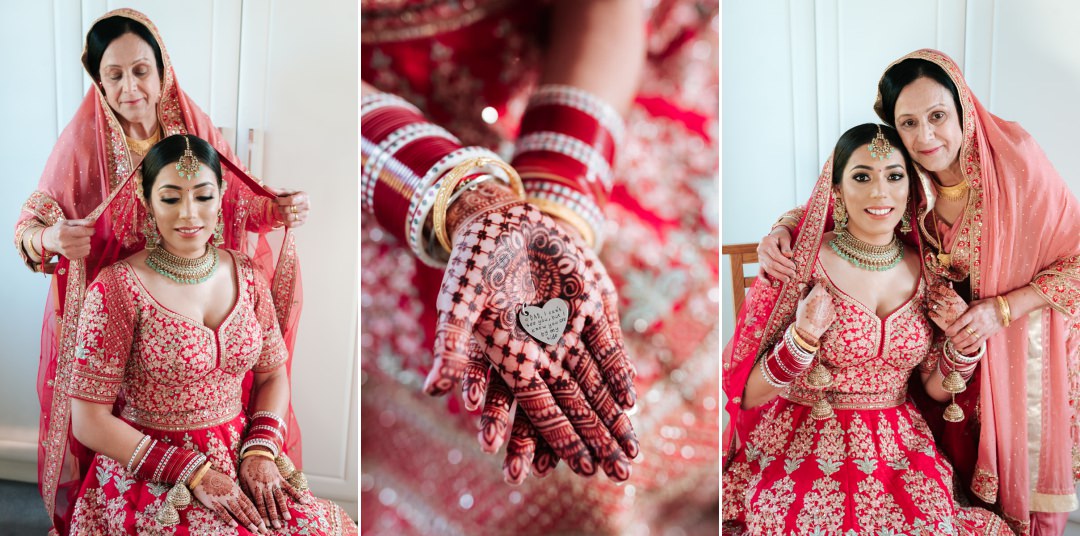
(1002, 225)
(823, 437)
(175, 327)
(135, 101)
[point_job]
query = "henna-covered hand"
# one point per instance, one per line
(261, 480)
(507, 255)
(815, 314)
(946, 306)
(223, 497)
(526, 447)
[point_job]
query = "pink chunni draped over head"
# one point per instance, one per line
(90, 174)
(1022, 226)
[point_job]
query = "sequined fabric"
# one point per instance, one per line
(873, 468)
(182, 385)
(422, 469)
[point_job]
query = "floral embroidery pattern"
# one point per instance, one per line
(871, 469)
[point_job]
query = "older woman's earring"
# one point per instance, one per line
(839, 215)
(905, 222)
(150, 231)
(219, 230)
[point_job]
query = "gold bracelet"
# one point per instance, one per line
(788, 222)
(198, 476)
(252, 452)
(1003, 308)
(568, 215)
(801, 342)
(450, 182)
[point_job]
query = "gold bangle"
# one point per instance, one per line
(786, 221)
(801, 342)
(1003, 308)
(450, 182)
(198, 476)
(252, 452)
(568, 215)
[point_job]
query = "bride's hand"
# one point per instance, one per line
(815, 314)
(508, 255)
(224, 497)
(945, 306)
(261, 480)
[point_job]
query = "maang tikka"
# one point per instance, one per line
(880, 147)
(188, 166)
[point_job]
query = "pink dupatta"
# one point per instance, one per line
(1022, 227)
(90, 174)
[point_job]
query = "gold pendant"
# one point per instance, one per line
(945, 259)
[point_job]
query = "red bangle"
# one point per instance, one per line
(572, 122)
(380, 123)
(41, 238)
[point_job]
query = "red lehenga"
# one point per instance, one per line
(182, 383)
(422, 469)
(87, 168)
(874, 467)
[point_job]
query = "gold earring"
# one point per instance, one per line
(150, 231)
(905, 222)
(839, 215)
(219, 230)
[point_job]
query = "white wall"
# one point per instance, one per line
(287, 71)
(798, 73)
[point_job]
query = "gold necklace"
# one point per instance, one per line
(955, 192)
(867, 256)
(143, 146)
(183, 270)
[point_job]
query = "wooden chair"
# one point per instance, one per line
(740, 255)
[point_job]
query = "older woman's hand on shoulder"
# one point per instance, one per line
(774, 254)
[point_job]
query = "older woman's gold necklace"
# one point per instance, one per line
(956, 192)
(867, 256)
(143, 146)
(182, 270)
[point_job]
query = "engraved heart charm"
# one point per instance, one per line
(545, 324)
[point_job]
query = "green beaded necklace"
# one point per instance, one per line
(867, 256)
(182, 270)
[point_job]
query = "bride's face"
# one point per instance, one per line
(186, 210)
(875, 193)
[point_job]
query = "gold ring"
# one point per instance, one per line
(294, 209)
(972, 332)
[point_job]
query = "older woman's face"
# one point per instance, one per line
(929, 124)
(130, 78)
